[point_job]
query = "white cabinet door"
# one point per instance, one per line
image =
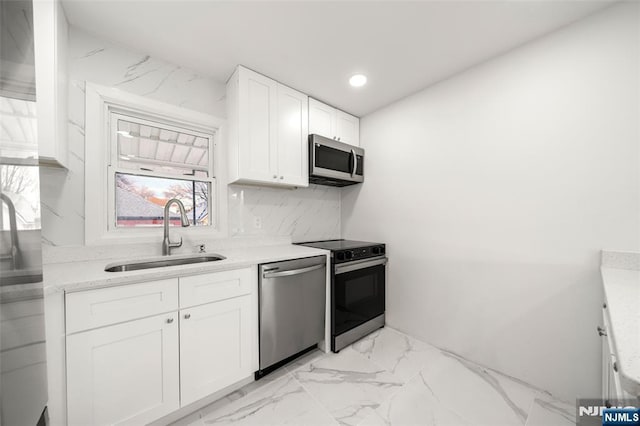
(215, 347)
(125, 374)
(322, 119)
(347, 128)
(50, 48)
(268, 131)
(257, 127)
(293, 149)
(332, 123)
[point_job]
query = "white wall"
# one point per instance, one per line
(495, 191)
(102, 62)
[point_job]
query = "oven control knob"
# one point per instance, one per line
(376, 250)
(348, 255)
(340, 255)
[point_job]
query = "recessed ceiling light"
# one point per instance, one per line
(358, 80)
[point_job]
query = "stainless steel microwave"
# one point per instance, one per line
(334, 163)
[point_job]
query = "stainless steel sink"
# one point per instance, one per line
(161, 262)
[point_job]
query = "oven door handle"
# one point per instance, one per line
(291, 272)
(353, 266)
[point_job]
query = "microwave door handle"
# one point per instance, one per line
(354, 163)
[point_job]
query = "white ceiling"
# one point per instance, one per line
(315, 46)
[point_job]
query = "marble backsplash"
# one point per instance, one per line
(301, 214)
(305, 214)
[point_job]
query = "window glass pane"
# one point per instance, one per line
(19, 129)
(155, 148)
(140, 200)
(20, 189)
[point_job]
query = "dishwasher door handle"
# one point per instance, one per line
(291, 272)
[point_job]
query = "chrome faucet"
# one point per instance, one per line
(167, 245)
(14, 253)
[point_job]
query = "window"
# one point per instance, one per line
(153, 162)
(149, 153)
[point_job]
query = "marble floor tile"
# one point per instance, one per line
(414, 404)
(396, 352)
(280, 402)
(479, 395)
(550, 412)
(305, 359)
(347, 384)
(387, 378)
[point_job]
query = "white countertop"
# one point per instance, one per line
(83, 275)
(622, 296)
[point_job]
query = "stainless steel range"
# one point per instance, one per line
(357, 289)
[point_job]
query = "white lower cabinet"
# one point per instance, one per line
(123, 370)
(124, 374)
(612, 390)
(215, 347)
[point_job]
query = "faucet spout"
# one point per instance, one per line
(167, 245)
(14, 253)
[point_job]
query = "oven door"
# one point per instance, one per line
(335, 160)
(358, 293)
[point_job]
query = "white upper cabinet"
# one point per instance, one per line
(332, 123)
(253, 126)
(293, 133)
(322, 119)
(267, 131)
(347, 128)
(50, 45)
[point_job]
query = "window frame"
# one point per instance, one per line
(102, 106)
(113, 168)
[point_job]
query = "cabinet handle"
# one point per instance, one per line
(169, 320)
(187, 316)
(601, 331)
(604, 306)
(615, 366)
(275, 176)
(338, 137)
(281, 177)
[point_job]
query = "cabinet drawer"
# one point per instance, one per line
(21, 323)
(205, 288)
(95, 308)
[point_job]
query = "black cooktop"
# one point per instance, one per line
(335, 245)
(348, 250)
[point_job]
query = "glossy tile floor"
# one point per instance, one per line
(388, 378)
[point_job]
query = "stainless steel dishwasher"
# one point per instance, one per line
(292, 309)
